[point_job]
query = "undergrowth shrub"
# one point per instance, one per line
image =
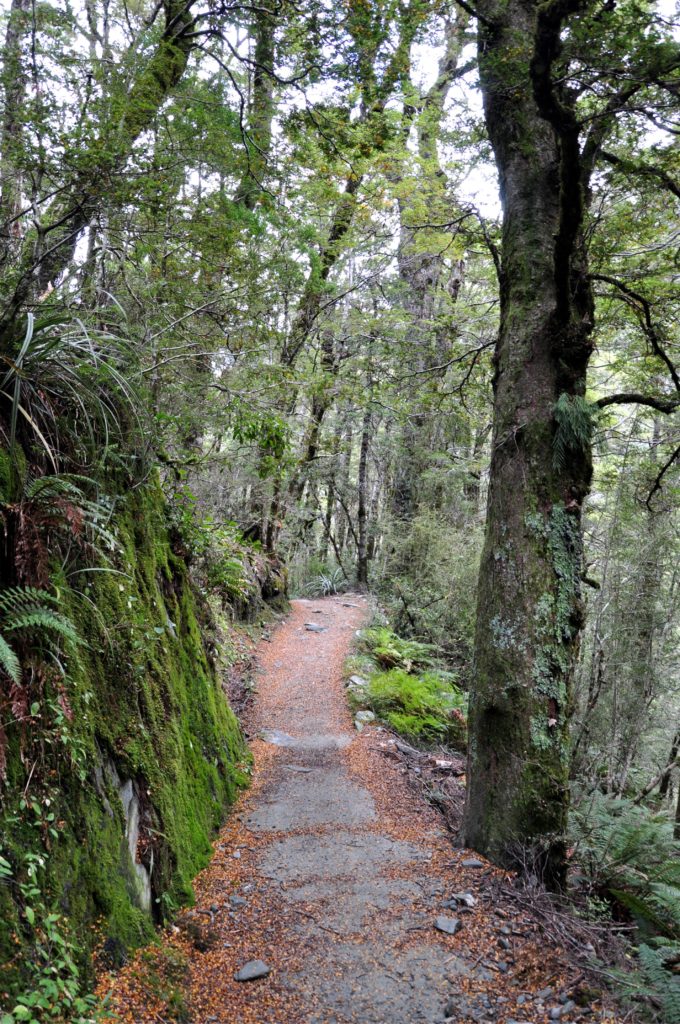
(628, 855)
(407, 690)
(427, 707)
(428, 583)
(392, 651)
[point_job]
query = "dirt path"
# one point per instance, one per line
(333, 872)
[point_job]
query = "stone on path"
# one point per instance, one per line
(252, 970)
(363, 718)
(448, 925)
(314, 627)
(472, 862)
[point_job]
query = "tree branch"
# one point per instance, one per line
(665, 405)
(644, 307)
(656, 486)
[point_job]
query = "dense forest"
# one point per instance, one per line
(299, 299)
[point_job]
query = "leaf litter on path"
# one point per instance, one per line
(343, 878)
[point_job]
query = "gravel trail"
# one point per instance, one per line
(336, 882)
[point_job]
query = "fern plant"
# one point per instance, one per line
(630, 856)
(573, 427)
(26, 612)
(660, 964)
(392, 651)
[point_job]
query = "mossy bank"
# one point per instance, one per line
(119, 774)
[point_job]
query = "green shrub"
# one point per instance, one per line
(425, 708)
(629, 855)
(392, 651)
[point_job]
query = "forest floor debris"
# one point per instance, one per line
(328, 885)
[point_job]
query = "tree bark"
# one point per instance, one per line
(529, 597)
(362, 512)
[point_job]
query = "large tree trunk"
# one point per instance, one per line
(529, 600)
(362, 513)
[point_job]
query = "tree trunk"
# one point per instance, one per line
(14, 95)
(261, 113)
(362, 513)
(529, 599)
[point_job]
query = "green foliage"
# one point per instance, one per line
(631, 854)
(630, 857)
(325, 583)
(222, 560)
(392, 651)
(140, 702)
(69, 387)
(573, 427)
(53, 983)
(426, 707)
(429, 582)
(658, 960)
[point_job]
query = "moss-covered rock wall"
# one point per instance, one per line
(124, 767)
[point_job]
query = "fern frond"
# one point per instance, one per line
(9, 662)
(664, 986)
(15, 598)
(43, 618)
(573, 427)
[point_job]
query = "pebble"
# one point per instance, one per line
(448, 925)
(237, 901)
(472, 862)
(503, 943)
(545, 993)
(556, 1012)
(236, 854)
(252, 970)
(314, 627)
(464, 897)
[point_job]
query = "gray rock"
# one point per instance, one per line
(472, 862)
(466, 898)
(298, 768)
(358, 682)
(236, 854)
(557, 1012)
(237, 901)
(252, 970)
(503, 943)
(314, 627)
(363, 718)
(545, 993)
(448, 925)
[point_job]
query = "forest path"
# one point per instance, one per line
(334, 872)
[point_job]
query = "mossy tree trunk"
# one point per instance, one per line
(529, 600)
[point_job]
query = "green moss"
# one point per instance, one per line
(12, 473)
(147, 710)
